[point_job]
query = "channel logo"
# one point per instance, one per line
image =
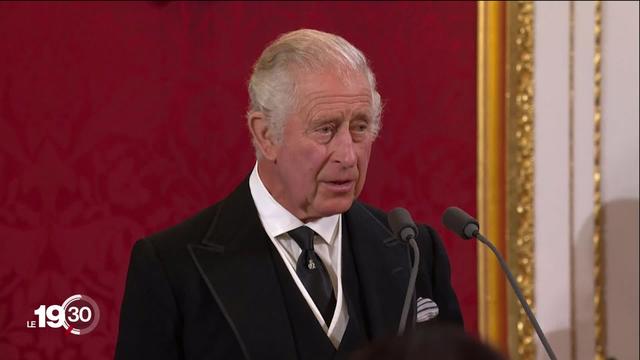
(78, 315)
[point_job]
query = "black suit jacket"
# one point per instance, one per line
(207, 288)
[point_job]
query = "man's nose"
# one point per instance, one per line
(344, 149)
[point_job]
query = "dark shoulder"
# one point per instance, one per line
(190, 231)
(378, 214)
(424, 230)
(168, 249)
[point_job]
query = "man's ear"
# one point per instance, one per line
(262, 135)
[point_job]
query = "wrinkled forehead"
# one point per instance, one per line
(348, 76)
(328, 92)
(329, 82)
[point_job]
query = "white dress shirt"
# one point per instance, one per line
(277, 221)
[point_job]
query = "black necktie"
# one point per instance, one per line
(313, 274)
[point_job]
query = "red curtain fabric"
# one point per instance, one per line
(120, 119)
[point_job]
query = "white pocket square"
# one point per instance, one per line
(427, 309)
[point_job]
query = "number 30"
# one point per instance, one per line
(83, 314)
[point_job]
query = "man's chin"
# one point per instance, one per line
(335, 206)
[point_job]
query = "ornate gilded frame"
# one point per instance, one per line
(506, 173)
(506, 170)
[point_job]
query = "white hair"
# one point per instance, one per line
(272, 84)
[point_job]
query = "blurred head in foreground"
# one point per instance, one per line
(439, 342)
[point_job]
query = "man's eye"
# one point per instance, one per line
(326, 129)
(360, 127)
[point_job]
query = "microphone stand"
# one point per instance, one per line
(516, 289)
(411, 287)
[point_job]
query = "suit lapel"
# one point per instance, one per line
(235, 261)
(382, 268)
(355, 334)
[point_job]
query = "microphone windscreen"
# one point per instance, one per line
(456, 220)
(400, 219)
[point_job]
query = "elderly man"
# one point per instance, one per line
(289, 265)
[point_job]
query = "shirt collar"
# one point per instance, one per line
(277, 220)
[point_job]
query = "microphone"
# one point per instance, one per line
(401, 224)
(461, 223)
(406, 230)
(465, 226)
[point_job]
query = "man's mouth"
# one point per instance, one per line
(340, 185)
(341, 182)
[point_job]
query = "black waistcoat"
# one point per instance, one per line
(311, 341)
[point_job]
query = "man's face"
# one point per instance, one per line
(321, 163)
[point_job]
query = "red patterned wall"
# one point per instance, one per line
(117, 120)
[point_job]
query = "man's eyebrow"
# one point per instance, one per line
(325, 118)
(362, 115)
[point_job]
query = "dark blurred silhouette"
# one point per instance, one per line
(435, 341)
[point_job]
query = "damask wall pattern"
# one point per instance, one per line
(119, 120)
